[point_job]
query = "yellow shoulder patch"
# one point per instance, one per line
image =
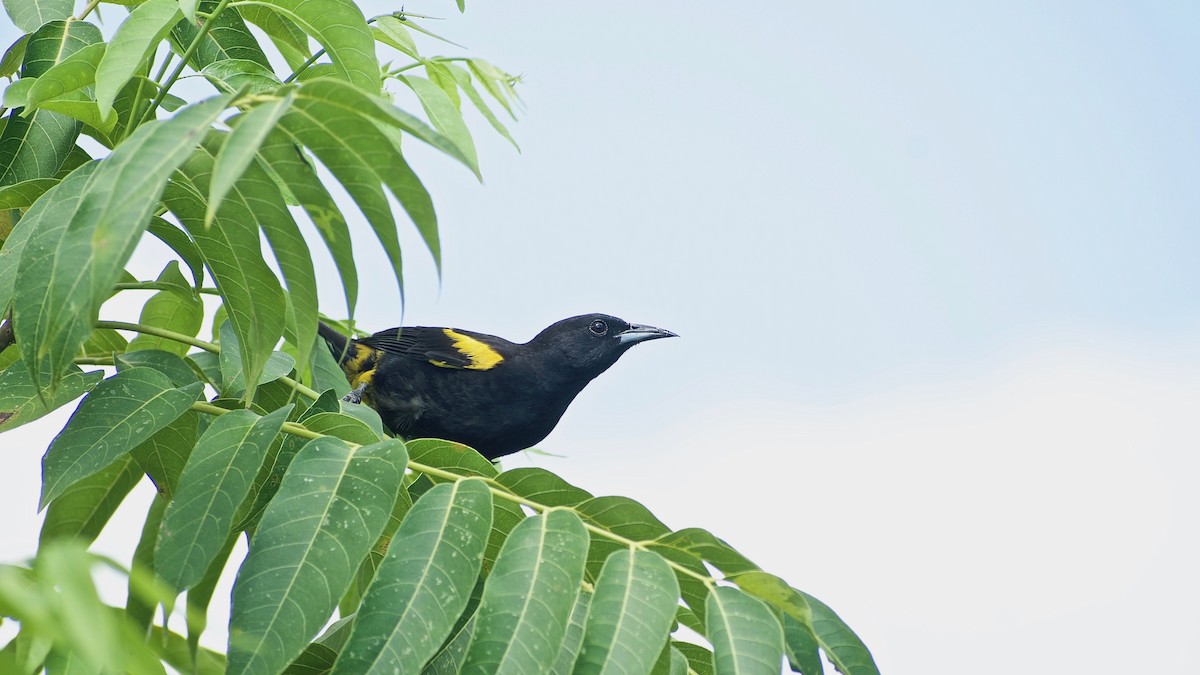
(481, 355)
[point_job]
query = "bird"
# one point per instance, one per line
(495, 396)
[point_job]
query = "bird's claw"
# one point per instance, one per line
(356, 395)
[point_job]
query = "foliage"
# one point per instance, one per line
(432, 559)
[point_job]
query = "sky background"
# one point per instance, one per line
(934, 268)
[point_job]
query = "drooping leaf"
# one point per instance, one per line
(424, 583)
(842, 647)
(182, 244)
(282, 157)
(239, 148)
(362, 158)
(163, 455)
(19, 399)
(233, 253)
(11, 60)
(81, 243)
(117, 415)
(444, 115)
(255, 197)
(134, 42)
(330, 509)
(391, 31)
(138, 607)
(746, 636)
(85, 507)
(631, 613)
(215, 481)
(529, 596)
(568, 652)
(801, 647)
(463, 78)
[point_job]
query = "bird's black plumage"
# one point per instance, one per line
(496, 396)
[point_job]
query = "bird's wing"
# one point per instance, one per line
(444, 347)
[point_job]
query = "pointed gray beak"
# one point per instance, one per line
(639, 333)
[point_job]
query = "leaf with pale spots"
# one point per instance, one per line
(330, 509)
(529, 596)
(215, 481)
(116, 416)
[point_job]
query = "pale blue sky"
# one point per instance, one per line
(934, 266)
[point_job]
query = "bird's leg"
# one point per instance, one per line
(356, 395)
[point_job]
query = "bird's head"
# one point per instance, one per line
(593, 342)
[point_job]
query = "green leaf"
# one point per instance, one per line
(462, 77)
(75, 255)
(235, 74)
(631, 613)
(801, 647)
(841, 646)
(233, 378)
(174, 367)
(541, 486)
(573, 640)
(745, 634)
(227, 38)
(233, 253)
(134, 42)
(63, 201)
(330, 509)
(283, 158)
(341, 426)
(424, 583)
(22, 195)
(279, 457)
(529, 596)
(37, 145)
(239, 148)
(450, 456)
(163, 455)
(138, 607)
(69, 75)
(622, 516)
(215, 481)
(496, 82)
(29, 15)
(709, 548)
(182, 244)
(445, 116)
(171, 310)
(699, 659)
(85, 507)
(103, 343)
(439, 74)
(255, 197)
(342, 30)
(13, 56)
(391, 31)
(287, 37)
(19, 399)
(117, 415)
(361, 156)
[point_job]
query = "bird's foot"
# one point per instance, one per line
(356, 395)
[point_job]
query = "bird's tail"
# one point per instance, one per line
(339, 345)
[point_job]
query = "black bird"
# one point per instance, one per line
(493, 395)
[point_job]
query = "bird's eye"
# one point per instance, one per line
(598, 327)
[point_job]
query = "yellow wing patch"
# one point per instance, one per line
(481, 355)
